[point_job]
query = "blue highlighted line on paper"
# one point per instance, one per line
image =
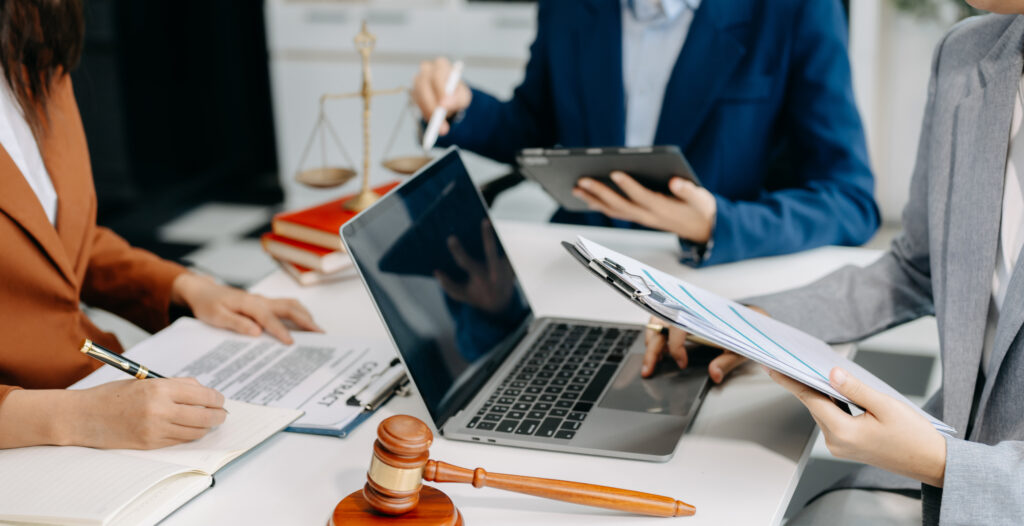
(787, 351)
(669, 294)
(727, 324)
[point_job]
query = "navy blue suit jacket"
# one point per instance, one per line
(760, 101)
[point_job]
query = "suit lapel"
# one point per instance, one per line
(1010, 320)
(62, 153)
(600, 62)
(63, 138)
(982, 128)
(709, 56)
(19, 202)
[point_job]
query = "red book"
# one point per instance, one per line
(320, 224)
(303, 254)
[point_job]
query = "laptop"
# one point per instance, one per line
(488, 370)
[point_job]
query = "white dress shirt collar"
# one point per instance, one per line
(16, 137)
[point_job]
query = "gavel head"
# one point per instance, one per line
(396, 471)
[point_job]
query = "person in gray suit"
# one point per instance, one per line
(958, 259)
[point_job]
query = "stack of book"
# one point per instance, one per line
(307, 243)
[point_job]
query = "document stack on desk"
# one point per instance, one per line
(319, 374)
(730, 325)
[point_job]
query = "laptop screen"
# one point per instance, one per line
(435, 268)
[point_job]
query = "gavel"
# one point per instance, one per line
(400, 464)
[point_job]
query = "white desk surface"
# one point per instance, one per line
(739, 464)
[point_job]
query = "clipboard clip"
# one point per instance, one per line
(612, 272)
(615, 277)
(383, 385)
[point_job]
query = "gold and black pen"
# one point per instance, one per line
(117, 361)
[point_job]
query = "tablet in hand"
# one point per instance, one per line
(558, 170)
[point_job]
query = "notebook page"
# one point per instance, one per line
(73, 485)
(161, 500)
(244, 428)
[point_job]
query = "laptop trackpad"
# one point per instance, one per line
(672, 392)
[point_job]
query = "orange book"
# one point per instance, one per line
(304, 254)
(306, 276)
(319, 225)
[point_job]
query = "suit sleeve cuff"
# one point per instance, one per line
(983, 484)
(698, 254)
(6, 390)
(154, 310)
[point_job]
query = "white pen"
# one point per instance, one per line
(440, 112)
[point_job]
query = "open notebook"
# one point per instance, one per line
(83, 486)
(729, 325)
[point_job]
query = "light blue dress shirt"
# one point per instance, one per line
(653, 32)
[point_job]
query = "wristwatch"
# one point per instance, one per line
(694, 254)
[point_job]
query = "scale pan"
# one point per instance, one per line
(406, 165)
(326, 177)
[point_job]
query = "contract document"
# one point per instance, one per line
(729, 325)
(317, 374)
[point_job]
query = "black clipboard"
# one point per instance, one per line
(630, 291)
(604, 270)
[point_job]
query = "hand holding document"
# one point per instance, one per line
(732, 326)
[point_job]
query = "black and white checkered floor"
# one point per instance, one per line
(222, 239)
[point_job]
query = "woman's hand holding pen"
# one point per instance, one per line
(239, 311)
(145, 414)
(131, 414)
(672, 342)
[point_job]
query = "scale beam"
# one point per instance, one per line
(392, 91)
(328, 176)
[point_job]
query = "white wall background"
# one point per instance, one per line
(891, 55)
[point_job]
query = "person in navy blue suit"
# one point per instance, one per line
(756, 94)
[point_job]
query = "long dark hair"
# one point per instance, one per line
(39, 40)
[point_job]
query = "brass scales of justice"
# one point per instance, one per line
(326, 176)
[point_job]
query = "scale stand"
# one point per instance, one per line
(328, 176)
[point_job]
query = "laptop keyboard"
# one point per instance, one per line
(557, 382)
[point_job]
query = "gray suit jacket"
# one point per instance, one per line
(942, 264)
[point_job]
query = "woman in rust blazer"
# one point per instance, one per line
(47, 270)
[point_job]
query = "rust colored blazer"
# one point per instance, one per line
(46, 272)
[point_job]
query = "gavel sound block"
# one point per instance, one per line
(394, 492)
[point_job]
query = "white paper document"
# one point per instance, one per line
(735, 327)
(317, 374)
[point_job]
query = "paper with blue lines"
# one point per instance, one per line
(735, 327)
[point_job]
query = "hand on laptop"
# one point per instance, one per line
(689, 213)
(490, 284)
(674, 345)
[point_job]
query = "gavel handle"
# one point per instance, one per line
(575, 492)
